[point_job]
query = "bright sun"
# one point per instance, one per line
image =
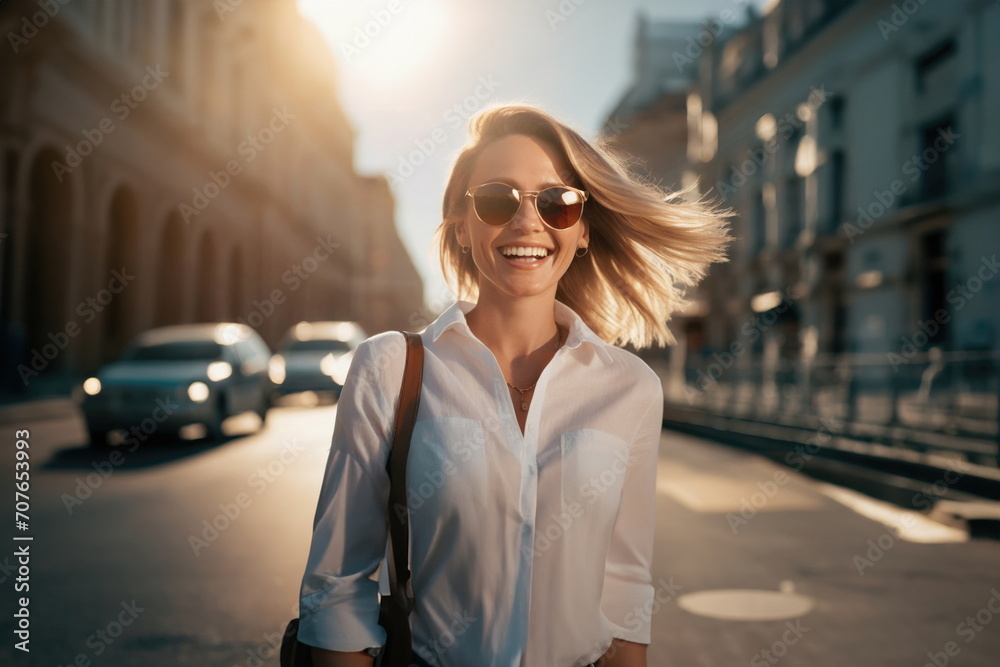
(384, 43)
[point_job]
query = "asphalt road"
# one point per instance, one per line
(755, 564)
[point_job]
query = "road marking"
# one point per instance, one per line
(907, 524)
(751, 488)
(680, 494)
(743, 604)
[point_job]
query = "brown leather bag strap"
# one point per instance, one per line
(398, 511)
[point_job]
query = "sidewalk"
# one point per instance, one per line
(953, 489)
(47, 398)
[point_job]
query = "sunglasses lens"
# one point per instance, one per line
(495, 203)
(560, 207)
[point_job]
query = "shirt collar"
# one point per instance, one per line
(579, 332)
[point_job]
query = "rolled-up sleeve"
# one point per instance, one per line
(338, 601)
(627, 597)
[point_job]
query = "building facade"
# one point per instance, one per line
(858, 143)
(169, 162)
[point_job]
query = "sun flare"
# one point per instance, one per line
(386, 44)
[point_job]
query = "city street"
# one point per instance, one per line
(190, 553)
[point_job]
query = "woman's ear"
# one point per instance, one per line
(462, 234)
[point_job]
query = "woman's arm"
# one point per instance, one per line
(624, 654)
(339, 605)
(323, 658)
(628, 589)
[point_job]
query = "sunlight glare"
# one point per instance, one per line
(387, 44)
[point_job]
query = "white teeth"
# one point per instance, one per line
(513, 251)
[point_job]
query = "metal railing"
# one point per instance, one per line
(930, 400)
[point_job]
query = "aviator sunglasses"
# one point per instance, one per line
(560, 206)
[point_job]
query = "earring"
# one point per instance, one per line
(585, 250)
(465, 249)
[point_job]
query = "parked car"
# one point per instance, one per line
(173, 376)
(315, 356)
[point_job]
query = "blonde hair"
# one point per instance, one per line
(646, 245)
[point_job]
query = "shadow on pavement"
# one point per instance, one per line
(156, 449)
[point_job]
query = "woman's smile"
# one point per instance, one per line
(524, 261)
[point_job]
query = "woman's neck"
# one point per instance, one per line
(515, 328)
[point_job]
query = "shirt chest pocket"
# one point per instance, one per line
(446, 463)
(593, 470)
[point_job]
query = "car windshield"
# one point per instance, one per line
(188, 350)
(317, 345)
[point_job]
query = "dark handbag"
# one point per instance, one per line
(394, 609)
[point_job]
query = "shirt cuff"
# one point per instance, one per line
(627, 606)
(342, 623)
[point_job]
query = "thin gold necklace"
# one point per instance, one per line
(524, 405)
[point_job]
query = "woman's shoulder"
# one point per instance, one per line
(380, 359)
(385, 345)
(634, 368)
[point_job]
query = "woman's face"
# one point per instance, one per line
(524, 163)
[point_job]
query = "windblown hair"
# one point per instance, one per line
(646, 245)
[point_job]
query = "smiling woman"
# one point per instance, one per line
(384, 43)
(644, 244)
(531, 505)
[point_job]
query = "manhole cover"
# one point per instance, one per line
(746, 604)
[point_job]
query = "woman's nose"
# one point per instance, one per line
(526, 217)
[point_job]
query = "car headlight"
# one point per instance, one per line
(276, 369)
(340, 368)
(198, 392)
(219, 370)
(328, 364)
(92, 386)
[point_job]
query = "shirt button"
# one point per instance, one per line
(532, 468)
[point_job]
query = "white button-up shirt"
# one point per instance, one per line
(530, 550)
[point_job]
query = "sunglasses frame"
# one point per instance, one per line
(522, 195)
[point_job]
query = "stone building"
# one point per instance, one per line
(167, 162)
(859, 144)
